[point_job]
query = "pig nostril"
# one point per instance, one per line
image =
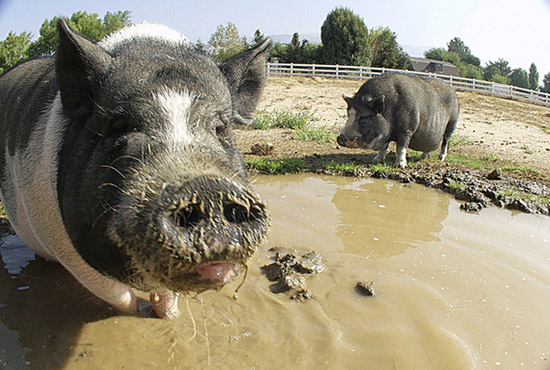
(238, 214)
(188, 216)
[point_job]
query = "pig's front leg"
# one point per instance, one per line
(381, 154)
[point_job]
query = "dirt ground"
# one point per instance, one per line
(489, 127)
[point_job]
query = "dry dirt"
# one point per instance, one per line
(489, 127)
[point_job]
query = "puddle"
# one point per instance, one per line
(453, 291)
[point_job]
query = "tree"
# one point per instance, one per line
(533, 77)
(501, 65)
(345, 38)
(297, 51)
(456, 45)
(519, 78)
(14, 49)
(443, 55)
(546, 83)
(226, 42)
(89, 25)
(385, 50)
(258, 38)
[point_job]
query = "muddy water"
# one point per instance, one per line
(453, 291)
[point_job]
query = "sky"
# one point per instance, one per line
(492, 29)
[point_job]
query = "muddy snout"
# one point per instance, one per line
(199, 234)
(344, 141)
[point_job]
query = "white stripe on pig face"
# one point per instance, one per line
(144, 30)
(175, 106)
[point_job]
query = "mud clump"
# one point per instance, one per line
(365, 288)
(289, 272)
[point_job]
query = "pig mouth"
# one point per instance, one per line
(208, 276)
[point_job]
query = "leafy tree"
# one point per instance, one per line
(345, 38)
(443, 55)
(519, 78)
(456, 45)
(502, 66)
(89, 25)
(226, 42)
(470, 71)
(546, 83)
(385, 50)
(533, 77)
(13, 49)
(297, 51)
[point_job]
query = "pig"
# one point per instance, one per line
(118, 160)
(419, 113)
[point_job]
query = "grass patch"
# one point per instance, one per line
(459, 140)
(341, 167)
(283, 119)
(520, 169)
(469, 161)
(383, 168)
(277, 166)
(319, 135)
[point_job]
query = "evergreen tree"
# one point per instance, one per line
(546, 83)
(519, 78)
(345, 38)
(533, 77)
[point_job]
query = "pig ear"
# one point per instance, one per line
(377, 104)
(79, 66)
(348, 100)
(245, 73)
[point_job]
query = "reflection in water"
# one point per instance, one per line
(454, 291)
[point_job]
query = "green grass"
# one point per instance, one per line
(520, 169)
(459, 140)
(283, 119)
(383, 168)
(319, 135)
(277, 166)
(341, 167)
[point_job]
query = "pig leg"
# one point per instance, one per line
(446, 138)
(381, 154)
(402, 144)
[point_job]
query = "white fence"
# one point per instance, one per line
(363, 73)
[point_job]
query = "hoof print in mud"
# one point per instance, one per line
(289, 270)
(365, 288)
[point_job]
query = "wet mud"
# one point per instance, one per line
(453, 290)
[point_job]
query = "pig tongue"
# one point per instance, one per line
(217, 272)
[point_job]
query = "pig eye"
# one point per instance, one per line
(119, 124)
(221, 132)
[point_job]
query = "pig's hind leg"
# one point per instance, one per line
(446, 138)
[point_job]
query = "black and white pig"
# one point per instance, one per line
(419, 113)
(118, 160)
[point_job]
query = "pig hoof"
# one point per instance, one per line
(145, 308)
(425, 155)
(401, 164)
(165, 304)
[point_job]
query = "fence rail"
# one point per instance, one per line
(363, 73)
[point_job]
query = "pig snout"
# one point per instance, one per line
(197, 236)
(344, 141)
